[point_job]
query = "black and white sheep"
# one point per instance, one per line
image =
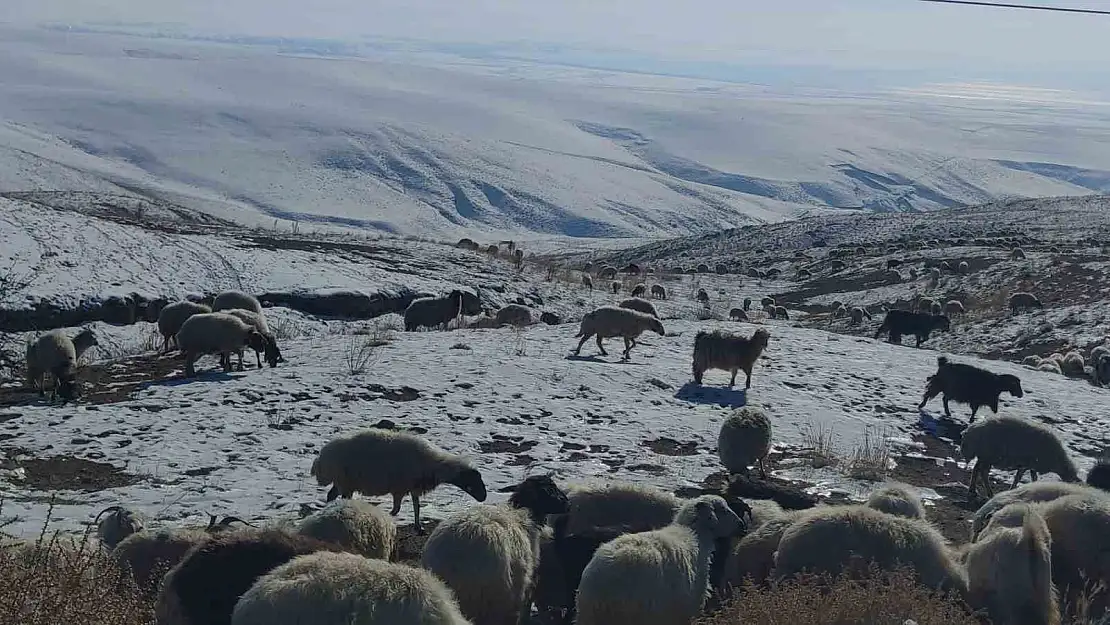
(57, 354)
(357, 526)
(970, 385)
(227, 300)
(216, 333)
(514, 315)
(204, 587)
(488, 555)
(612, 321)
(659, 577)
(659, 291)
(344, 589)
(172, 316)
(901, 322)
(1024, 301)
(848, 539)
(1010, 443)
(379, 462)
(642, 305)
(258, 322)
(897, 499)
(744, 440)
(727, 351)
(434, 312)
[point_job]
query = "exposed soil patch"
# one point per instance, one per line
(58, 473)
(670, 447)
(504, 444)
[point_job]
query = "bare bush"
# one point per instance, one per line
(870, 459)
(820, 438)
(363, 347)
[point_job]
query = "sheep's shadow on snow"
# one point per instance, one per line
(941, 426)
(720, 395)
(201, 376)
(599, 359)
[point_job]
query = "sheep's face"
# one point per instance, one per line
(256, 341)
(272, 353)
(1012, 384)
(657, 327)
(712, 514)
(541, 495)
(470, 481)
(761, 338)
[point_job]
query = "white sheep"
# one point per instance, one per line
(1080, 529)
(227, 300)
(379, 462)
(618, 504)
(897, 499)
(752, 559)
(1011, 443)
(611, 321)
(488, 555)
(258, 322)
(744, 440)
(357, 526)
(216, 333)
(659, 577)
(172, 316)
(57, 354)
(850, 538)
(344, 589)
(1033, 492)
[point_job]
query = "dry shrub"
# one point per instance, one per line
(883, 598)
(820, 438)
(870, 460)
(64, 580)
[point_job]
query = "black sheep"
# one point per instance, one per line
(1099, 475)
(204, 587)
(900, 322)
(787, 497)
(968, 384)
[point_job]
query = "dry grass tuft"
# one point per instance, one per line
(820, 438)
(870, 460)
(882, 599)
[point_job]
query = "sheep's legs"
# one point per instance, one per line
(930, 393)
(601, 347)
(1017, 478)
(986, 476)
(578, 350)
(747, 378)
(948, 413)
(762, 469)
(971, 483)
(732, 382)
(416, 513)
(397, 498)
(974, 409)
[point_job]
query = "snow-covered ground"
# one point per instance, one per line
(387, 143)
(514, 402)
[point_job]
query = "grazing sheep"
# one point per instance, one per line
(658, 291)
(357, 526)
(116, 525)
(492, 251)
(258, 322)
(641, 305)
(467, 244)
(227, 300)
(747, 304)
(344, 589)
(377, 462)
(550, 318)
(1017, 254)
(752, 559)
(1073, 364)
(1080, 530)
(173, 315)
(563, 557)
(216, 333)
(1009, 573)
(744, 440)
(737, 314)
(925, 304)
(615, 286)
(954, 307)
(703, 296)
(587, 282)
(434, 312)
(900, 322)
(513, 315)
(1050, 365)
(639, 290)
(1032, 492)
(608, 272)
(632, 269)
(730, 352)
(702, 268)
(1098, 352)
(897, 499)
(1024, 301)
(1031, 361)
(970, 385)
(780, 312)
(203, 588)
(1099, 475)
(659, 577)
(617, 504)
(849, 539)
(1101, 366)
(963, 267)
(767, 302)
(57, 354)
(1010, 443)
(613, 321)
(858, 314)
(488, 555)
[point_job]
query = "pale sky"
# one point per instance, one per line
(889, 35)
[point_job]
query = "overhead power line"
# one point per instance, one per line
(1006, 5)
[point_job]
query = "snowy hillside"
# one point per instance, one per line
(446, 147)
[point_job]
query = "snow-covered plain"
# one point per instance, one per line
(514, 402)
(397, 144)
